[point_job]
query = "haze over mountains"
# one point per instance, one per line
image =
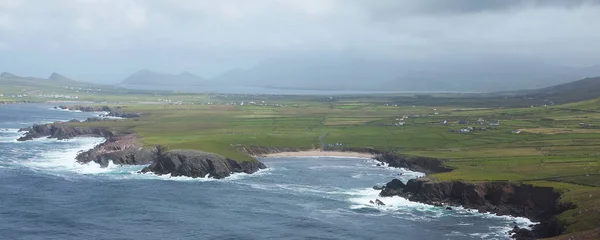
(147, 77)
(466, 75)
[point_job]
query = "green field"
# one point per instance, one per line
(552, 146)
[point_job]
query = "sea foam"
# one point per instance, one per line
(63, 160)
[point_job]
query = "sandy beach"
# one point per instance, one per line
(318, 153)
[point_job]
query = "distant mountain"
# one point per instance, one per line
(59, 78)
(8, 75)
(585, 89)
(356, 73)
(467, 75)
(147, 77)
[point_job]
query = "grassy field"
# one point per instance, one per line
(552, 148)
(556, 146)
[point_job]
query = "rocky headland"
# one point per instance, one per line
(540, 204)
(113, 111)
(62, 130)
(125, 148)
(196, 164)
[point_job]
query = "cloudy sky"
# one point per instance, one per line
(109, 39)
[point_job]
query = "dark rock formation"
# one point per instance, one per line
(262, 151)
(501, 198)
(425, 165)
(196, 164)
(522, 234)
(121, 150)
(112, 111)
(62, 131)
(393, 188)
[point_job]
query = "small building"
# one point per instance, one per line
(516, 131)
(444, 122)
(585, 125)
(463, 122)
(495, 123)
(399, 124)
(465, 130)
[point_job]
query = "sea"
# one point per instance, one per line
(45, 194)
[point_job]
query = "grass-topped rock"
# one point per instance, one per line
(195, 164)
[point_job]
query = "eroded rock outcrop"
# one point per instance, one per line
(126, 149)
(499, 197)
(112, 111)
(262, 151)
(61, 131)
(196, 164)
(121, 150)
(425, 165)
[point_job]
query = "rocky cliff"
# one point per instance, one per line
(196, 164)
(112, 111)
(61, 130)
(425, 165)
(126, 149)
(262, 151)
(503, 198)
(121, 149)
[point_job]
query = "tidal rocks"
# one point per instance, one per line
(196, 164)
(522, 234)
(393, 188)
(61, 131)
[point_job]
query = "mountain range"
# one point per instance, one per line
(469, 75)
(147, 77)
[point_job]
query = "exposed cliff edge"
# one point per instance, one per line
(112, 111)
(121, 149)
(125, 149)
(196, 164)
(263, 151)
(425, 165)
(539, 204)
(62, 130)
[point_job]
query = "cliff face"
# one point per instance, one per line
(122, 150)
(199, 164)
(261, 151)
(125, 149)
(112, 111)
(425, 165)
(62, 131)
(502, 198)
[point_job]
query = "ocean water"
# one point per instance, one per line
(45, 194)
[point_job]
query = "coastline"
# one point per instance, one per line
(318, 153)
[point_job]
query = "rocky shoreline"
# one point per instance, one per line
(115, 111)
(125, 149)
(540, 204)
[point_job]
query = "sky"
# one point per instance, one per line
(106, 40)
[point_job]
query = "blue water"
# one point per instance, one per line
(44, 194)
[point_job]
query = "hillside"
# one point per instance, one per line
(584, 89)
(147, 77)
(56, 87)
